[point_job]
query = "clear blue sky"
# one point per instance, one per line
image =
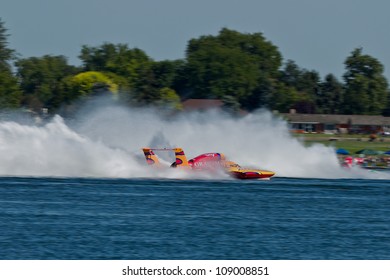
(317, 35)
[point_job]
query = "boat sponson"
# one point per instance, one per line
(252, 174)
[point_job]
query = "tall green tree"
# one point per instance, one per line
(40, 79)
(155, 87)
(306, 84)
(231, 66)
(169, 100)
(284, 98)
(366, 88)
(10, 93)
(166, 72)
(118, 59)
(88, 83)
(386, 111)
(6, 54)
(291, 74)
(330, 96)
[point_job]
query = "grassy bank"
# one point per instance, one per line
(352, 143)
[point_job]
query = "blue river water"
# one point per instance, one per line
(284, 218)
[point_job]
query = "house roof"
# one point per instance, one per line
(201, 104)
(337, 119)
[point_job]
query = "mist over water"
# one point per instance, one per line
(105, 140)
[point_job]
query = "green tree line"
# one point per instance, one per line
(245, 71)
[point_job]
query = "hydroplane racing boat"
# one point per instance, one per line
(207, 162)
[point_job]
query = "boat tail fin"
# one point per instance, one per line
(181, 159)
(151, 157)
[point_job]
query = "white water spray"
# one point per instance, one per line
(107, 140)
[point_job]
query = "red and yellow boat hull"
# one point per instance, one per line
(251, 174)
